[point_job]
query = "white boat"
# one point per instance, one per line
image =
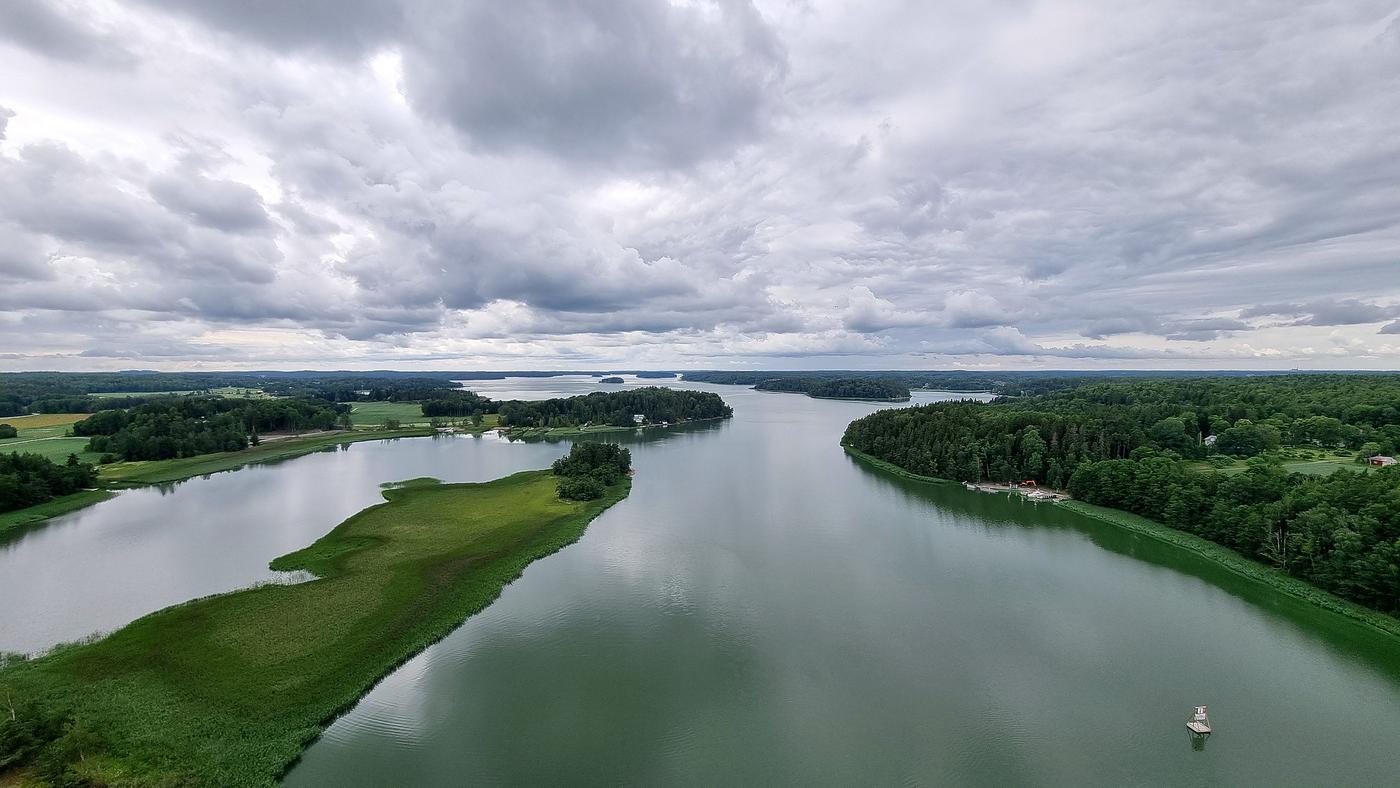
(1199, 722)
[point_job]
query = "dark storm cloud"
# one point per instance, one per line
(601, 80)
(340, 27)
(58, 30)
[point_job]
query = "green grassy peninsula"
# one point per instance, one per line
(227, 690)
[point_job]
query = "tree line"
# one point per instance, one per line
(653, 403)
(30, 479)
(190, 426)
(840, 388)
(618, 408)
(1131, 445)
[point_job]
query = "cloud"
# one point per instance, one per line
(1391, 328)
(1327, 312)
(339, 27)
(713, 182)
(222, 205)
(58, 31)
(613, 81)
(867, 313)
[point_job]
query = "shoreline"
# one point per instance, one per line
(1219, 555)
(28, 517)
(833, 399)
(529, 433)
(132, 475)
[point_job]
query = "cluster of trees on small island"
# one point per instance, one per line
(1137, 446)
(617, 408)
(589, 469)
(839, 388)
(188, 426)
(30, 479)
(653, 403)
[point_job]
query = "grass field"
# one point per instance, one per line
(1307, 460)
(372, 414)
(46, 434)
(44, 420)
(227, 690)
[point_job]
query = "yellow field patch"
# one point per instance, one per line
(43, 420)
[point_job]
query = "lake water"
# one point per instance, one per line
(762, 609)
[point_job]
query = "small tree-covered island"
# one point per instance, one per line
(227, 690)
(877, 389)
(1294, 472)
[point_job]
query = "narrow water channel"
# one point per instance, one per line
(762, 609)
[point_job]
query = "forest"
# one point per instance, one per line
(188, 426)
(840, 388)
(456, 402)
(654, 404)
(29, 479)
(1149, 446)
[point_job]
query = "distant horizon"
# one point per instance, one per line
(680, 370)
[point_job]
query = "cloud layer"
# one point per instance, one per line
(699, 183)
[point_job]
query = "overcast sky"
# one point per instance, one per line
(649, 184)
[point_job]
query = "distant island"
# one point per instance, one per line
(613, 379)
(839, 388)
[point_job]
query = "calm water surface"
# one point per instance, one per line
(763, 609)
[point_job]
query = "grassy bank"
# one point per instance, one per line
(891, 468)
(1238, 564)
(1223, 556)
(127, 474)
(11, 521)
(227, 690)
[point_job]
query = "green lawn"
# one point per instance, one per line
(227, 690)
(46, 434)
(1296, 459)
(372, 414)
